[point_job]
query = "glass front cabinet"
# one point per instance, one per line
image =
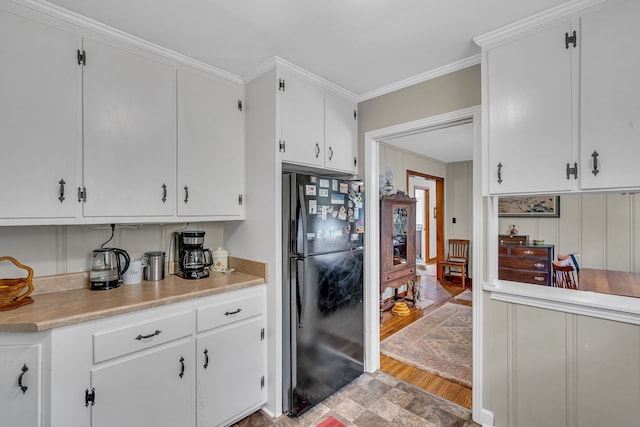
(397, 245)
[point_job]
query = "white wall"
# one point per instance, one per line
(62, 249)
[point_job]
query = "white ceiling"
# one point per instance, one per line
(447, 144)
(363, 46)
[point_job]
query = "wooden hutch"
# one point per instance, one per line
(397, 245)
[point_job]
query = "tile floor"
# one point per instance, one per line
(374, 400)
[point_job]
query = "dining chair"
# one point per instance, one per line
(564, 276)
(457, 260)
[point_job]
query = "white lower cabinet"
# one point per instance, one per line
(198, 362)
(20, 386)
(231, 372)
(154, 388)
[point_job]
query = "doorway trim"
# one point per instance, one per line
(372, 241)
(439, 211)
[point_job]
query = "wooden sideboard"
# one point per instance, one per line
(526, 263)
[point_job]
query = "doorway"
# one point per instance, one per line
(429, 193)
(372, 274)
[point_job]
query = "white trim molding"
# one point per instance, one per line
(372, 244)
(90, 24)
(277, 62)
(593, 304)
(420, 78)
(525, 24)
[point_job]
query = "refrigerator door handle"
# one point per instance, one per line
(302, 217)
(300, 290)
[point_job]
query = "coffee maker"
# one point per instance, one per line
(193, 259)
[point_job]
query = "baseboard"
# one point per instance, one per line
(486, 418)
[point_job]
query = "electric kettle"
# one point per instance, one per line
(107, 269)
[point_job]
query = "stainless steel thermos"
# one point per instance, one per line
(153, 266)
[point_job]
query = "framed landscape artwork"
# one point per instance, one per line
(532, 206)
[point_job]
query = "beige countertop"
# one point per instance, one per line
(63, 307)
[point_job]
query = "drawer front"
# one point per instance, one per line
(400, 274)
(143, 335)
(512, 240)
(533, 277)
(226, 312)
(529, 251)
(524, 263)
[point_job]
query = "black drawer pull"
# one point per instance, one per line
(229, 313)
(24, 388)
(142, 337)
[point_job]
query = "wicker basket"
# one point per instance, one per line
(13, 292)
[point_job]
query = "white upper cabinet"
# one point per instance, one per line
(609, 97)
(530, 107)
(318, 126)
(302, 120)
(129, 133)
(39, 120)
(92, 129)
(562, 112)
(340, 121)
(210, 146)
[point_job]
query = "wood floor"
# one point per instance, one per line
(439, 294)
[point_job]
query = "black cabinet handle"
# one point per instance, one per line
(317, 150)
(181, 367)
(206, 358)
(186, 194)
(142, 337)
(595, 162)
(499, 172)
(330, 153)
(229, 313)
(164, 193)
(22, 387)
(61, 197)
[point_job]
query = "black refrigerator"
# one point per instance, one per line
(323, 324)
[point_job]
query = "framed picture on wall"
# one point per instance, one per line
(530, 206)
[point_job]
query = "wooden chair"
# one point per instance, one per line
(564, 276)
(457, 260)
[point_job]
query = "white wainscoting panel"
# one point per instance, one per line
(551, 368)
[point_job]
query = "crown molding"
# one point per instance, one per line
(283, 64)
(92, 25)
(544, 17)
(420, 78)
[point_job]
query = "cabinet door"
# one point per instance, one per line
(20, 386)
(232, 381)
(302, 120)
(609, 97)
(129, 133)
(39, 87)
(340, 133)
(146, 389)
(210, 146)
(530, 113)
